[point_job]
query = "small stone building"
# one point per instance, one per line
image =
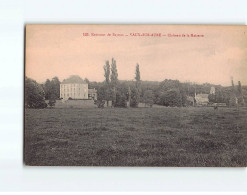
(201, 99)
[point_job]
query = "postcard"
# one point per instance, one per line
(135, 95)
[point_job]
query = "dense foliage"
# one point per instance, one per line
(52, 88)
(148, 98)
(34, 94)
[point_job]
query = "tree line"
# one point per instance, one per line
(36, 94)
(118, 93)
(122, 93)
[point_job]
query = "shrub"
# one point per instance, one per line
(34, 94)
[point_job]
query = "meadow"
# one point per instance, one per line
(158, 136)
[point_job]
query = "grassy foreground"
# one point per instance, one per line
(136, 137)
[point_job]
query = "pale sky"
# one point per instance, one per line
(62, 50)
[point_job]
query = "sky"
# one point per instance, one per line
(64, 50)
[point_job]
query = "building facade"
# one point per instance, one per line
(74, 87)
(92, 94)
(212, 90)
(201, 99)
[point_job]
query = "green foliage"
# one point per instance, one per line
(86, 80)
(52, 88)
(104, 92)
(47, 89)
(233, 100)
(121, 100)
(52, 102)
(223, 95)
(137, 93)
(241, 100)
(34, 94)
(170, 93)
(149, 98)
(107, 72)
(114, 73)
(107, 88)
(121, 95)
(212, 98)
(100, 103)
(134, 97)
(138, 75)
(114, 82)
(170, 98)
(101, 93)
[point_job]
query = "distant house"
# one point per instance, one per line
(201, 99)
(92, 94)
(74, 87)
(212, 90)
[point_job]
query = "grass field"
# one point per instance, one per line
(136, 137)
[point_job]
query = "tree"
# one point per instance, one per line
(171, 98)
(171, 93)
(138, 76)
(233, 99)
(240, 94)
(149, 98)
(52, 102)
(134, 97)
(137, 92)
(86, 80)
(55, 88)
(114, 80)
(212, 98)
(121, 99)
(52, 88)
(121, 95)
(107, 72)
(34, 94)
(47, 89)
(107, 88)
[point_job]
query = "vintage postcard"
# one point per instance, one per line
(135, 95)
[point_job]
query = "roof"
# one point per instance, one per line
(73, 79)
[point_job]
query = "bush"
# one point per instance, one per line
(121, 100)
(135, 98)
(52, 102)
(171, 98)
(34, 94)
(100, 103)
(149, 98)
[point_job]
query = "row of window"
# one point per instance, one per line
(73, 90)
(71, 95)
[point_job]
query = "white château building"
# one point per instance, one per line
(74, 87)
